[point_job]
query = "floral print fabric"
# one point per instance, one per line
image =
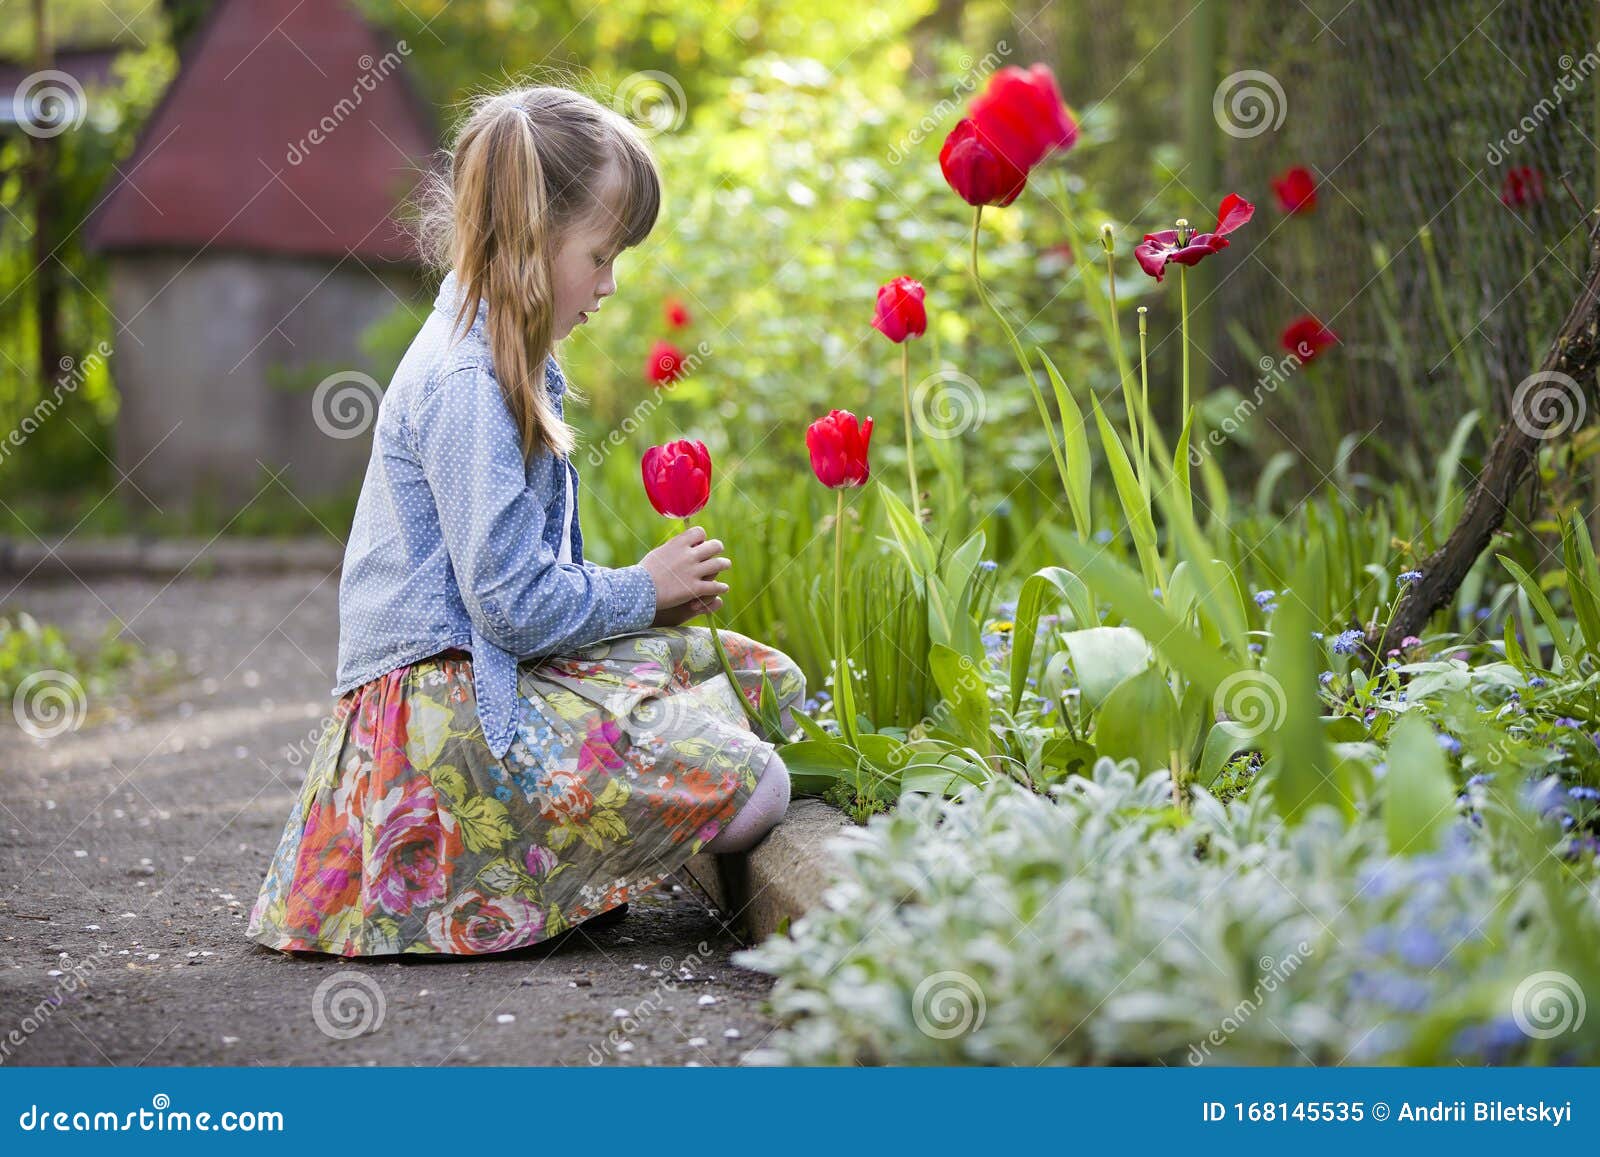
(410, 836)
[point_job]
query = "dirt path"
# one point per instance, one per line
(133, 846)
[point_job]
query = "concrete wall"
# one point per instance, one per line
(200, 365)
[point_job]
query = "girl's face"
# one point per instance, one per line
(584, 261)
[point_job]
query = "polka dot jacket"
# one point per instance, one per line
(460, 542)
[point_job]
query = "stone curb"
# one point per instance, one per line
(110, 557)
(780, 878)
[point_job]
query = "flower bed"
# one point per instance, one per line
(1104, 926)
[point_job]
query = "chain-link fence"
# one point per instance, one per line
(1444, 136)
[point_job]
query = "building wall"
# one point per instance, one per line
(200, 370)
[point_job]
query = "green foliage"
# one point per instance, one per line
(29, 647)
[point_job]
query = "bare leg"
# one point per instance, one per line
(760, 813)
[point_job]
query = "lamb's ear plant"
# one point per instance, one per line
(1226, 937)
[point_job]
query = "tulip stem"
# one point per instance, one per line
(1144, 391)
(757, 724)
(1183, 303)
(838, 567)
(1123, 375)
(1056, 450)
(841, 670)
(911, 456)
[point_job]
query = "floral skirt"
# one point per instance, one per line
(409, 836)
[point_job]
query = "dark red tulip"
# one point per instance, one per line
(1306, 337)
(1522, 186)
(901, 312)
(665, 364)
(838, 448)
(677, 313)
(976, 171)
(1296, 190)
(1020, 114)
(1157, 249)
(677, 477)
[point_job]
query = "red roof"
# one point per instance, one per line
(290, 128)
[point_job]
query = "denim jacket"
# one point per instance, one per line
(458, 541)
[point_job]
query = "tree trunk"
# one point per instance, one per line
(1547, 405)
(46, 262)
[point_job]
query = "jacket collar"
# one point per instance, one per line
(448, 302)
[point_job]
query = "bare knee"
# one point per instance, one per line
(778, 772)
(761, 812)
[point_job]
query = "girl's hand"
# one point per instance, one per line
(684, 567)
(683, 612)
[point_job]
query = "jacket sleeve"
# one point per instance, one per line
(520, 596)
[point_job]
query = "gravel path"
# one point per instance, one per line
(134, 845)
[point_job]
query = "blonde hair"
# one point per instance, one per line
(524, 165)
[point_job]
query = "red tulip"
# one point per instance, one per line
(976, 171)
(665, 364)
(1306, 337)
(901, 313)
(1020, 114)
(1522, 187)
(1157, 249)
(677, 313)
(677, 477)
(839, 449)
(1296, 190)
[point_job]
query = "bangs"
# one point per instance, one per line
(634, 198)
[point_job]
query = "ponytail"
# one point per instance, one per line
(521, 169)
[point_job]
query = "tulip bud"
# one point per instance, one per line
(1108, 238)
(901, 312)
(838, 446)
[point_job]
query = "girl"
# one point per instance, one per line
(523, 739)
